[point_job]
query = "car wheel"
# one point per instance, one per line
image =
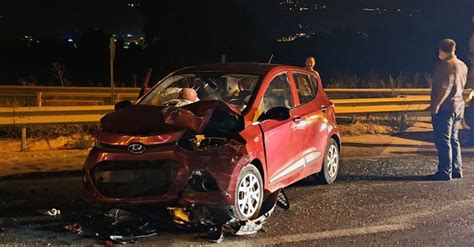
(331, 164)
(248, 193)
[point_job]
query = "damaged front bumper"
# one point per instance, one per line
(165, 175)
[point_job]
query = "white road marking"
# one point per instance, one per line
(433, 212)
(281, 239)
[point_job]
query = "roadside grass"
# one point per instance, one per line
(415, 80)
(381, 124)
(389, 123)
(77, 136)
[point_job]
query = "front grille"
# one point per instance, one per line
(124, 147)
(120, 179)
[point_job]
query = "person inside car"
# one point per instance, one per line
(174, 96)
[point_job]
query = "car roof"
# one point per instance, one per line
(245, 68)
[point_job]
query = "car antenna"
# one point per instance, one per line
(270, 60)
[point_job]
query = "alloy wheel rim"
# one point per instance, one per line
(332, 161)
(248, 195)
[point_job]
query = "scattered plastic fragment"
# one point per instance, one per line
(216, 234)
(74, 228)
(283, 201)
(180, 216)
(50, 212)
(119, 215)
(127, 227)
(130, 239)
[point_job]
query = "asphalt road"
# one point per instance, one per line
(375, 201)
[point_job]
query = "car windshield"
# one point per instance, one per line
(183, 89)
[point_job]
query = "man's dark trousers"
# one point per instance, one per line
(446, 136)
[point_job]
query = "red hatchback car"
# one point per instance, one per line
(222, 136)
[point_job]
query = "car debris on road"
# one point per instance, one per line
(74, 228)
(50, 212)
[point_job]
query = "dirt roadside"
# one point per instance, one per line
(42, 157)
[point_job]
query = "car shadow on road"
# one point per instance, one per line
(369, 178)
(381, 178)
(42, 174)
(368, 145)
(465, 153)
(427, 136)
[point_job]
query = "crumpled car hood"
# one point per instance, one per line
(200, 117)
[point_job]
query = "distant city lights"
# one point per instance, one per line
(300, 6)
(133, 4)
(294, 37)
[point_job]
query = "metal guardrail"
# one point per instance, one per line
(52, 115)
(382, 105)
(20, 91)
(380, 90)
(44, 97)
(92, 114)
(68, 95)
(24, 116)
(390, 108)
(23, 89)
(12, 90)
(86, 95)
(378, 101)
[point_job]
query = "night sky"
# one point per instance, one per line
(60, 18)
(349, 37)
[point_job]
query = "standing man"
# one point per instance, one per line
(447, 108)
(309, 65)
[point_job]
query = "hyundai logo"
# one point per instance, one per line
(136, 148)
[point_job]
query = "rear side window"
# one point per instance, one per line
(306, 87)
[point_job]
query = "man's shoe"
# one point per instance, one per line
(456, 175)
(438, 177)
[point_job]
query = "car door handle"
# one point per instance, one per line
(297, 119)
(324, 108)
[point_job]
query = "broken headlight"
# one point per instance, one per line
(202, 143)
(202, 181)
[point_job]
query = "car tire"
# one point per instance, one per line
(248, 193)
(330, 167)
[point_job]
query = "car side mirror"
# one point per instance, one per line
(278, 113)
(123, 104)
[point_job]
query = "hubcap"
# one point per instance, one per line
(332, 161)
(248, 195)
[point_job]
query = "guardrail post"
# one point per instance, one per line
(39, 99)
(23, 139)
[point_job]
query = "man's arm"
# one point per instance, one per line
(445, 90)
